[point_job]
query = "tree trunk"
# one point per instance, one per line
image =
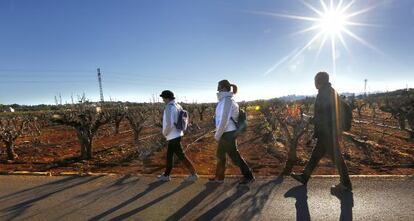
(136, 137)
(401, 122)
(89, 149)
(117, 125)
(410, 119)
(86, 146)
(11, 155)
(411, 135)
(359, 112)
(201, 116)
(291, 158)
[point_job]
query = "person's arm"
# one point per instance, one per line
(168, 127)
(325, 113)
(225, 117)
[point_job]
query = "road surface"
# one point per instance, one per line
(140, 198)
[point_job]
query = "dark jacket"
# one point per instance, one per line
(325, 112)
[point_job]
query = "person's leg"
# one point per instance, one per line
(317, 153)
(341, 165)
(181, 155)
(221, 159)
(235, 156)
(170, 158)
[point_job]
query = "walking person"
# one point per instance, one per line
(227, 113)
(327, 122)
(173, 136)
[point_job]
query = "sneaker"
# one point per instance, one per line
(339, 188)
(299, 177)
(163, 178)
(191, 178)
(215, 180)
(246, 181)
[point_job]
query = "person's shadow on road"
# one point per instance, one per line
(347, 203)
(135, 211)
(194, 202)
(223, 205)
(151, 187)
(300, 193)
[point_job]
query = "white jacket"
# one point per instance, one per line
(169, 120)
(226, 109)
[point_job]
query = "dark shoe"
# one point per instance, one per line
(246, 181)
(299, 177)
(340, 188)
(215, 180)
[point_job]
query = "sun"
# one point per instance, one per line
(332, 22)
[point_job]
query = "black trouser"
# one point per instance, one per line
(228, 145)
(174, 146)
(331, 147)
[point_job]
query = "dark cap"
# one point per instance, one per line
(167, 94)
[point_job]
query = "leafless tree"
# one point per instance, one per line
(11, 128)
(293, 123)
(86, 120)
(136, 118)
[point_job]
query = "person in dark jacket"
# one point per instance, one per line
(327, 132)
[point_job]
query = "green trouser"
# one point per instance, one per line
(228, 145)
(326, 145)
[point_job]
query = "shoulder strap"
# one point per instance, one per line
(235, 123)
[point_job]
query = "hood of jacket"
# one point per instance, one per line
(224, 94)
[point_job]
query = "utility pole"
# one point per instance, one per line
(100, 85)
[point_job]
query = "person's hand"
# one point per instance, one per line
(216, 137)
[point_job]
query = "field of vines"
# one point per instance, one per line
(126, 138)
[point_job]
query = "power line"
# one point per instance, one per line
(22, 70)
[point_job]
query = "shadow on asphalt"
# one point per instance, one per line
(300, 193)
(250, 206)
(40, 193)
(159, 199)
(209, 189)
(347, 203)
(253, 205)
(40, 187)
(96, 195)
(223, 205)
(152, 186)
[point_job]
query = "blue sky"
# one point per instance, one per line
(49, 47)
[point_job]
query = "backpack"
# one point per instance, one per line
(183, 119)
(346, 116)
(241, 123)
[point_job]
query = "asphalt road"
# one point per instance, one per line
(140, 198)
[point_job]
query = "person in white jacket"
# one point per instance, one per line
(173, 136)
(227, 113)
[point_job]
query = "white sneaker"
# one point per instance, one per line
(191, 178)
(163, 178)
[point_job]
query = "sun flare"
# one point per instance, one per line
(332, 22)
